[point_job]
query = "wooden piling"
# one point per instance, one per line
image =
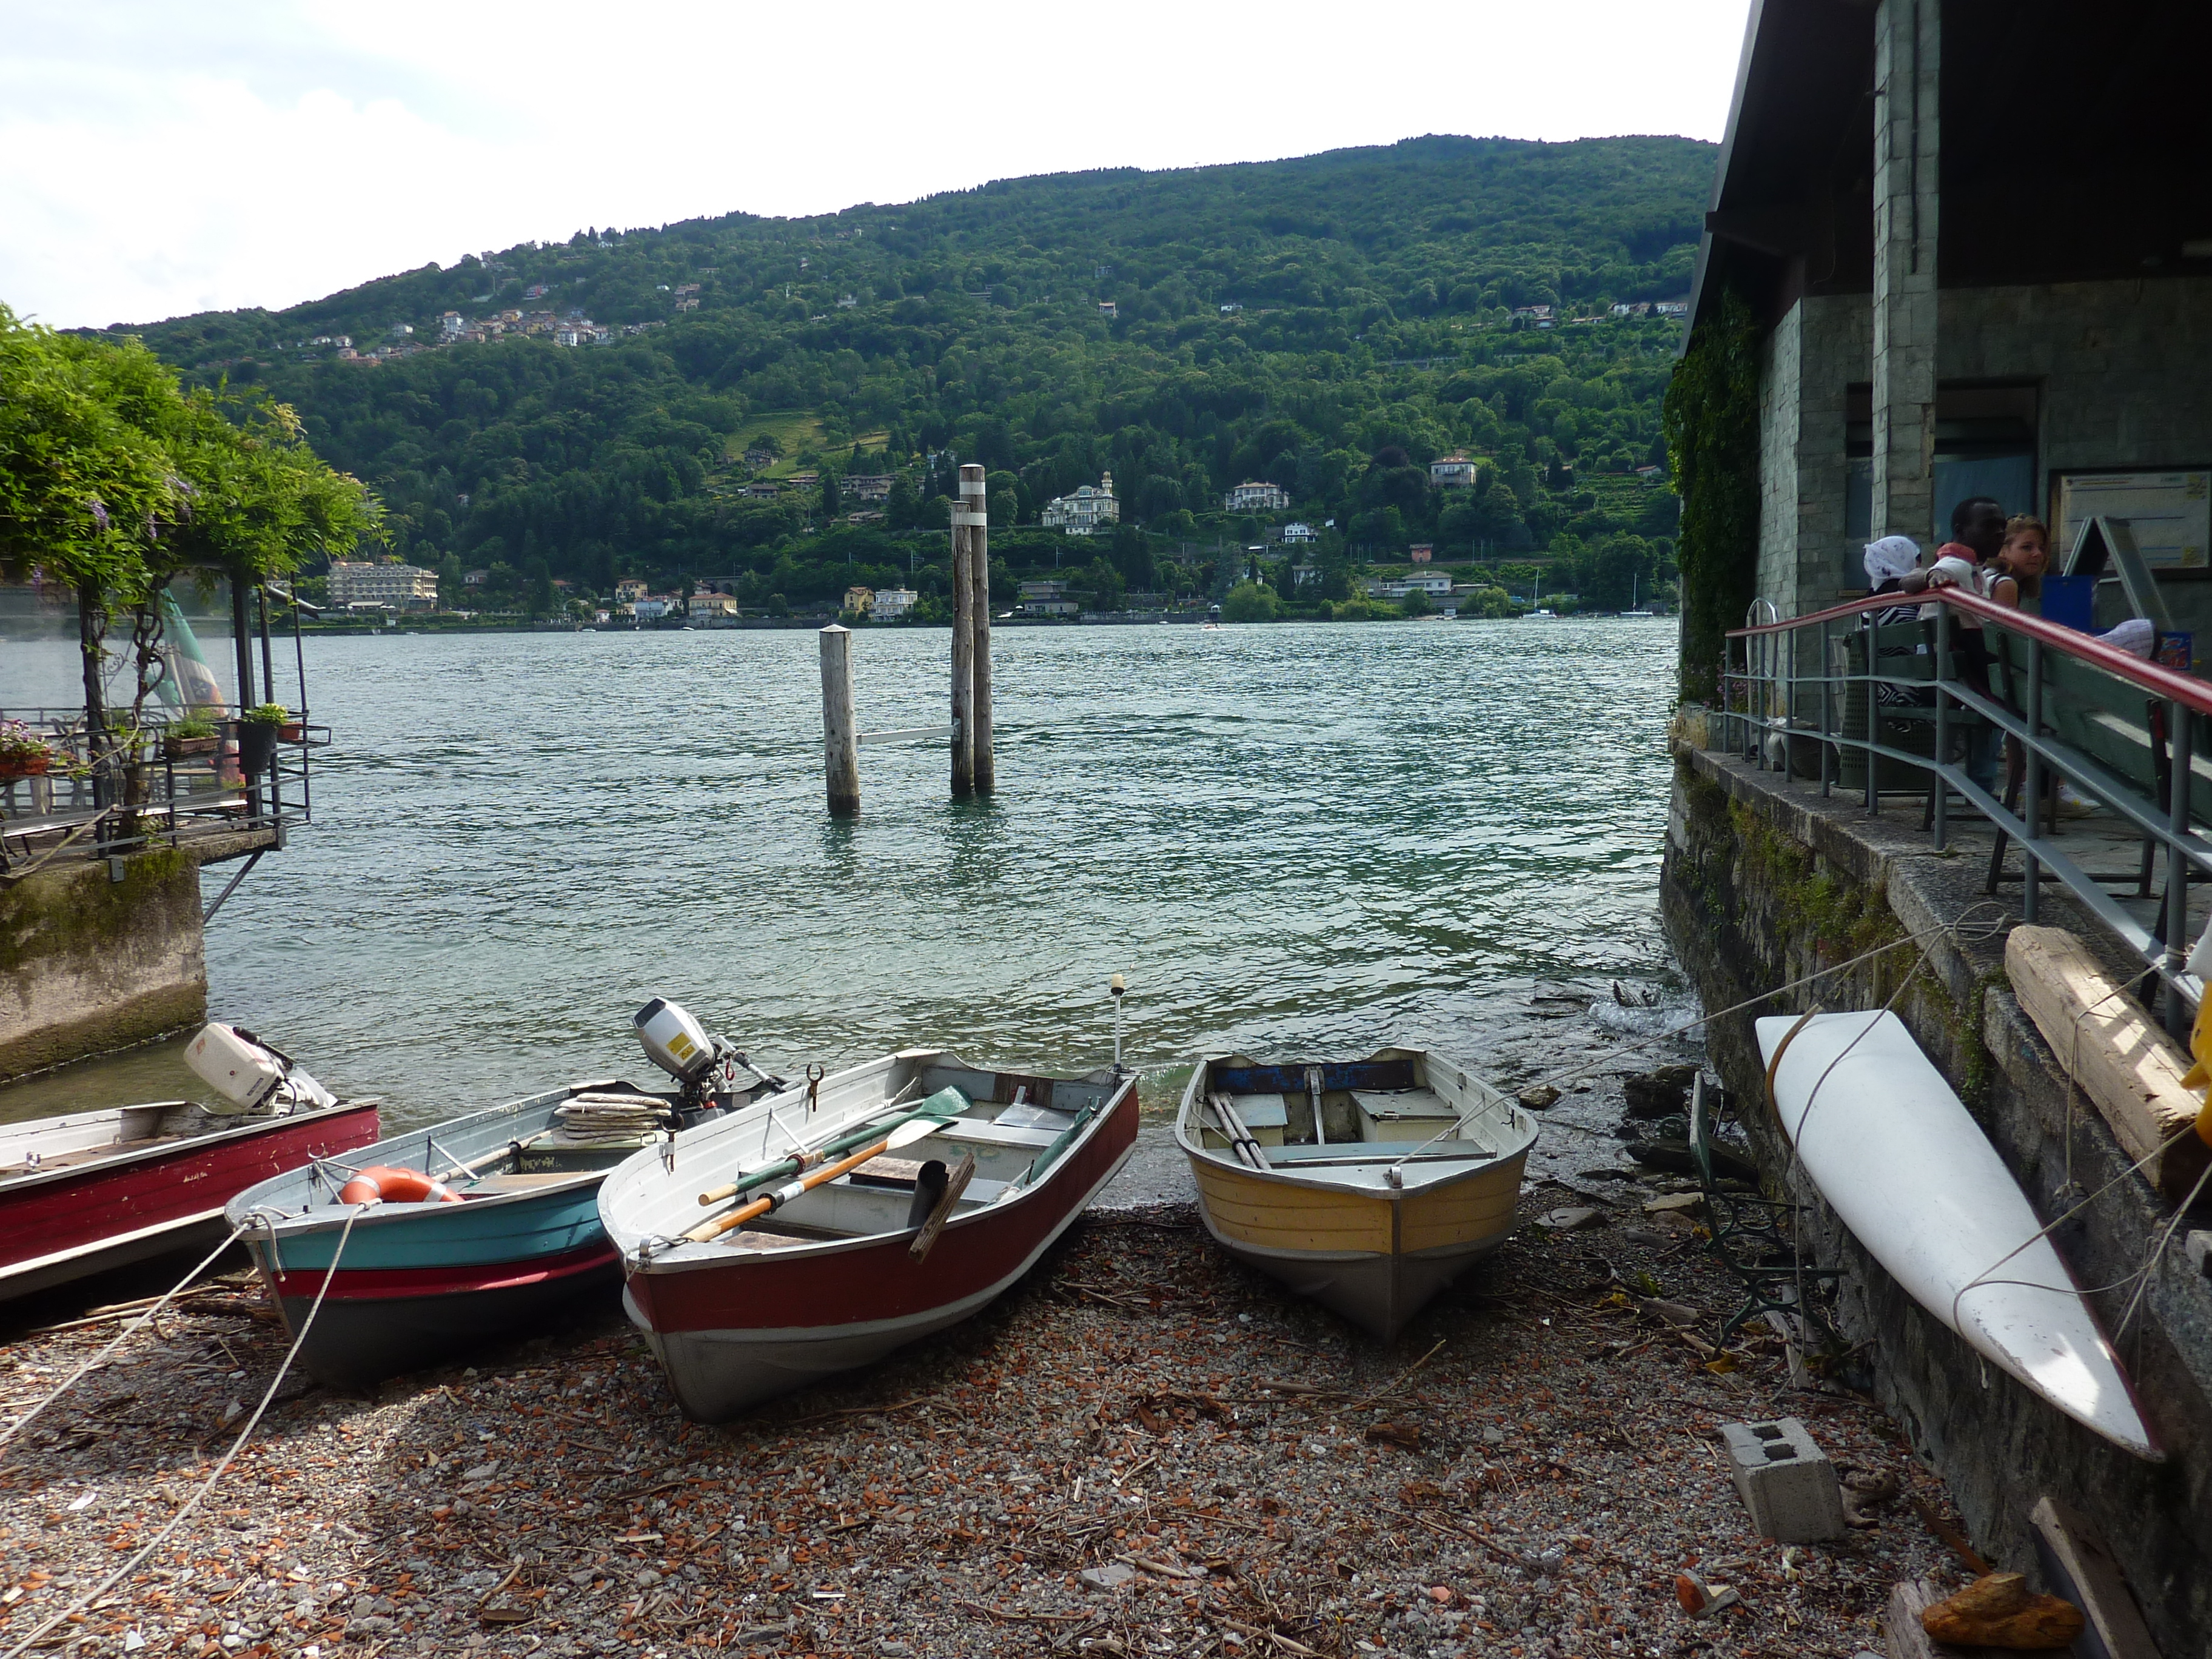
(968, 520)
(981, 757)
(841, 738)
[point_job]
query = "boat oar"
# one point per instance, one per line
(941, 1212)
(905, 1135)
(1239, 1138)
(936, 1107)
(484, 1161)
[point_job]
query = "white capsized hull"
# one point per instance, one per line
(1896, 1155)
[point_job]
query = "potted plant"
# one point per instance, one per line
(195, 734)
(23, 752)
(256, 737)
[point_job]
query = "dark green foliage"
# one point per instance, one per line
(1331, 324)
(1712, 414)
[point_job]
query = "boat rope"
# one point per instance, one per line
(2139, 1277)
(1965, 929)
(88, 1599)
(124, 1335)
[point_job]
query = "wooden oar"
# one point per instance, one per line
(482, 1161)
(957, 1183)
(807, 1158)
(1239, 1138)
(905, 1135)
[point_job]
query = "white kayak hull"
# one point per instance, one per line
(1898, 1157)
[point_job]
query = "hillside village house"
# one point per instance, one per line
(892, 604)
(1294, 535)
(394, 586)
(713, 605)
(1082, 513)
(1046, 599)
(1256, 498)
(1452, 472)
(867, 486)
(630, 589)
(860, 601)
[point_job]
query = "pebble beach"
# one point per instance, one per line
(1144, 1449)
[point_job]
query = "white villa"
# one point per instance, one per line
(1082, 513)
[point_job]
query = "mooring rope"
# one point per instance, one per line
(1962, 930)
(90, 1598)
(124, 1334)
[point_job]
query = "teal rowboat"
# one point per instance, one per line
(417, 1281)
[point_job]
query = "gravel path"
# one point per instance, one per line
(1145, 1449)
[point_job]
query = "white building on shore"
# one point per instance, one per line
(395, 587)
(1084, 512)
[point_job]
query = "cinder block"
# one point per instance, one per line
(1785, 1480)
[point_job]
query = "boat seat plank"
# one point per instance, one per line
(1404, 1103)
(513, 1182)
(968, 1130)
(1380, 1153)
(1291, 1079)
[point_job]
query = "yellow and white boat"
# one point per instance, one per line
(1407, 1173)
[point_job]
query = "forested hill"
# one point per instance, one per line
(1328, 324)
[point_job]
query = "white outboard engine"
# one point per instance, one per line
(250, 1075)
(705, 1067)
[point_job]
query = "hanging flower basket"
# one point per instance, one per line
(23, 752)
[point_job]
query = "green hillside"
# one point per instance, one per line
(1328, 324)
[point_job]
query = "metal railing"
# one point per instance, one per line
(1778, 710)
(106, 796)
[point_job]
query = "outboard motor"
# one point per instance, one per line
(705, 1067)
(251, 1076)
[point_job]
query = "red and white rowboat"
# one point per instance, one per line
(826, 1281)
(94, 1190)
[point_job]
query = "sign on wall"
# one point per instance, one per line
(2170, 512)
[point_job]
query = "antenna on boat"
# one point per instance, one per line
(1117, 988)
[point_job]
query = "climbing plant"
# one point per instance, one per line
(1710, 418)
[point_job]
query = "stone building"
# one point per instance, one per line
(1969, 244)
(1963, 288)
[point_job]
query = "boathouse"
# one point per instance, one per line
(1958, 248)
(1973, 241)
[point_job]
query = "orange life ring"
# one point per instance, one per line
(378, 1184)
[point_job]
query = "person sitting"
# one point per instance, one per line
(2016, 574)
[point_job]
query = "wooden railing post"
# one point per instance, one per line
(841, 738)
(969, 520)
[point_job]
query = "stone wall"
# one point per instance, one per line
(89, 963)
(1765, 882)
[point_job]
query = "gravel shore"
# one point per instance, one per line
(1145, 1449)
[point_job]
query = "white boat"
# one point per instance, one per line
(1406, 1175)
(1897, 1157)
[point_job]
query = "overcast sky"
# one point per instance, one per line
(158, 158)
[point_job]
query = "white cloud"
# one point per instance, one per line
(157, 159)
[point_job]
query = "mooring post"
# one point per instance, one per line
(968, 520)
(841, 738)
(981, 757)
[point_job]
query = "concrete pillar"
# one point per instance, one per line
(1908, 49)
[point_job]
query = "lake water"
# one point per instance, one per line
(1295, 841)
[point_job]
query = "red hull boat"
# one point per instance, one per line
(94, 1190)
(829, 1280)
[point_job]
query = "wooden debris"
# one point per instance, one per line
(2127, 1067)
(2079, 1567)
(1997, 1611)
